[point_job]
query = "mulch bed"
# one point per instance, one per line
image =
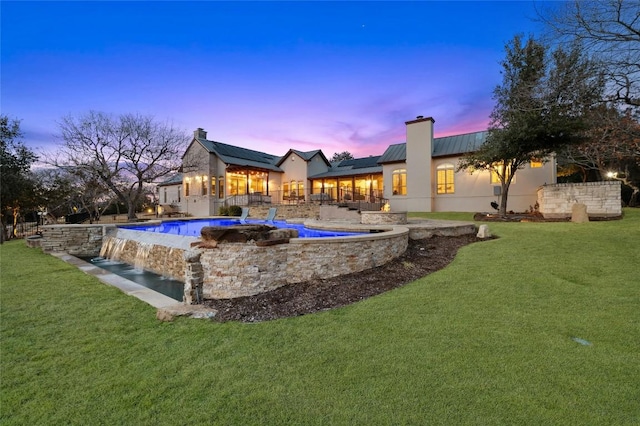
(421, 258)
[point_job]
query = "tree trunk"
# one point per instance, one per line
(16, 213)
(4, 234)
(131, 213)
(503, 199)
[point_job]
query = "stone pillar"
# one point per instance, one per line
(193, 277)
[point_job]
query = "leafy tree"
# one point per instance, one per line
(16, 182)
(540, 107)
(339, 156)
(610, 31)
(124, 152)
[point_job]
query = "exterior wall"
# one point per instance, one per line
(77, 240)
(419, 148)
(295, 169)
(198, 163)
(603, 199)
(170, 198)
(397, 202)
(474, 191)
(236, 270)
(316, 166)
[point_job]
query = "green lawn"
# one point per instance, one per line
(488, 340)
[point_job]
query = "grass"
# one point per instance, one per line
(487, 340)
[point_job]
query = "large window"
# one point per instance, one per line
(213, 186)
(186, 189)
(237, 183)
(399, 181)
(444, 178)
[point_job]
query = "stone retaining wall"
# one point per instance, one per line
(383, 218)
(603, 199)
(235, 270)
(77, 240)
(286, 211)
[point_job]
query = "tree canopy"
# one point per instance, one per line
(339, 156)
(540, 108)
(16, 182)
(124, 152)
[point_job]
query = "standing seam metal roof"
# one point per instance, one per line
(442, 147)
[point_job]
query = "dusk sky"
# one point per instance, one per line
(268, 76)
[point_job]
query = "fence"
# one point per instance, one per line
(23, 229)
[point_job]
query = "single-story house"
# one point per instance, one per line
(417, 175)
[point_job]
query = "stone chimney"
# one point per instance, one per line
(200, 134)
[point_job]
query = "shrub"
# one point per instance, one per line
(223, 211)
(235, 211)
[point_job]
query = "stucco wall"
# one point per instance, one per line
(603, 199)
(474, 192)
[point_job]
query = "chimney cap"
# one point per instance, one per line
(420, 117)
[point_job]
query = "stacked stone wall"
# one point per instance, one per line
(163, 260)
(236, 270)
(602, 199)
(77, 240)
(286, 211)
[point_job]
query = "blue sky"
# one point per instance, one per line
(262, 75)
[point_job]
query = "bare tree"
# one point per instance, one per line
(611, 148)
(610, 31)
(124, 152)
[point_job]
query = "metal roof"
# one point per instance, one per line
(237, 156)
(458, 144)
(174, 180)
(396, 153)
(356, 166)
(348, 171)
(442, 147)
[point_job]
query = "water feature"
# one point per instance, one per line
(167, 286)
(192, 227)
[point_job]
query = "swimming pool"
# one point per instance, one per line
(192, 228)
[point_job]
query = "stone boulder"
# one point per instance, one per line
(213, 235)
(579, 213)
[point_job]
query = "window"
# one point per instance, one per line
(204, 185)
(221, 187)
(536, 163)
(498, 169)
(399, 182)
(186, 189)
(444, 179)
(179, 193)
(165, 195)
(213, 186)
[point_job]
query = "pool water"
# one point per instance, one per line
(192, 228)
(167, 286)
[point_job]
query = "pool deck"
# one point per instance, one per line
(169, 308)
